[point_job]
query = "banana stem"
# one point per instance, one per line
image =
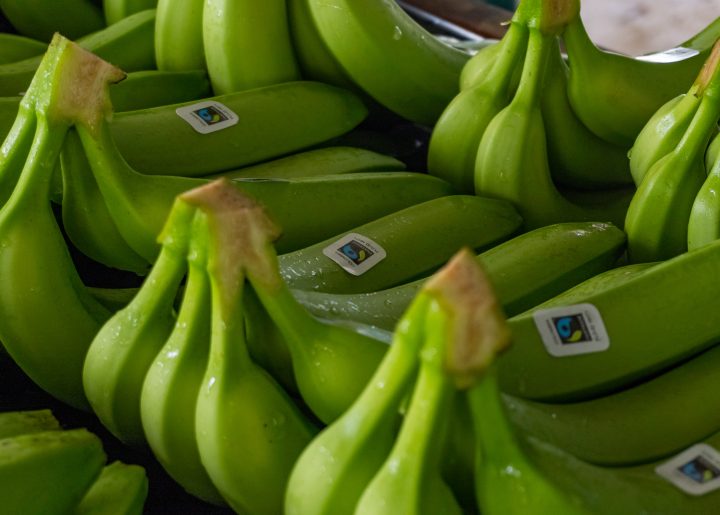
(14, 151)
(532, 79)
(708, 79)
(695, 140)
(501, 72)
(550, 16)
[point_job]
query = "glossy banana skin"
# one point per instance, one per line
(40, 19)
(16, 48)
(574, 252)
(456, 220)
(119, 490)
(178, 35)
(390, 56)
(676, 331)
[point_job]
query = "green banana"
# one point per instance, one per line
(479, 65)
(704, 222)
(128, 44)
(322, 161)
(615, 95)
(713, 152)
(172, 384)
(676, 331)
(390, 56)
(126, 345)
(622, 429)
(40, 19)
(247, 44)
(116, 10)
(119, 490)
(657, 218)
(336, 264)
(152, 88)
(571, 253)
(273, 121)
(457, 134)
(48, 472)
(15, 423)
(178, 35)
(113, 299)
(14, 47)
(249, 432)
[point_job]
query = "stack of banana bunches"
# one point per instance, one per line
(306, 257)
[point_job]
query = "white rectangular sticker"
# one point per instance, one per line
(669, 56)
(209, 116)
(572, 330)
(355, 253)
(695, 471)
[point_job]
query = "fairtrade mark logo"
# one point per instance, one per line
(700, 470)
(210, 115)
(355, 251)
(572, 329)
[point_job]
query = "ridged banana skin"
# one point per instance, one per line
(16, 423)
(152, 88)
(390, 56)
(178, 35)
(572, 253)
(322, 161)
(127, 44)
(40, 19)
(615, 95)
(636, 425)
(116, 10)
(14, 47)
(637, 318)
(274, 121)
(48, 472)
(456, 221)
(247, 44)
(120, 490)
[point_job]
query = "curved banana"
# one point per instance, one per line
(14, 47)
(704, 223)
(40, 19)
(615, 95)
(390, 56)
(479, 65)
(247, 44)
(120, 490)
(116, 10)
(178, 35)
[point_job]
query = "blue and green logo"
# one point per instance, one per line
(356, 251)
(210, 115)
(700, 470)
(572, 329)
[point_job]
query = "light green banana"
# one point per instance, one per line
(390, 56)
(125, 347)
(249, 432)
(172, 384)
(571, 253)
(273, 121)
(14, 47)
(322, 161)
(675, 331)
(16, 423)
(40, 19)
(152, 88)
(615, 95)
(713, 152)
(116, 10)
(48, 472)
(178, 35)
(479, 65)
(457, 134)
(657, 218)
(704, 223)
(127, 44)
(455, 221)
(119, 490)
(247, 44)
(636, 425)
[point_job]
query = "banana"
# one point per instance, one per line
(657, 218)
(571, 253)
(479, 65)
(676, 331)
(128, 44)
(126, 345)
(622, 429)
(336, 264)
(249, 432)
(704, 222)
(15, 423)
(120, 490)
(14, 47)
(271, 122)
(113, 299)
(152, 88)
(172, 384)
(457, 134)
(615, 95)
(116, 10)
(390, 56)
(48, 472)
(178, 35)
(40, 19)
(322, 161)
(713, 152)
(247, 44)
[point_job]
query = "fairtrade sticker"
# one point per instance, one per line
(669, 56)
(695, 471)
(355, 253)
(207, 117)
(572, 330)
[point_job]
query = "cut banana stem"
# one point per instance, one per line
(119, 490)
